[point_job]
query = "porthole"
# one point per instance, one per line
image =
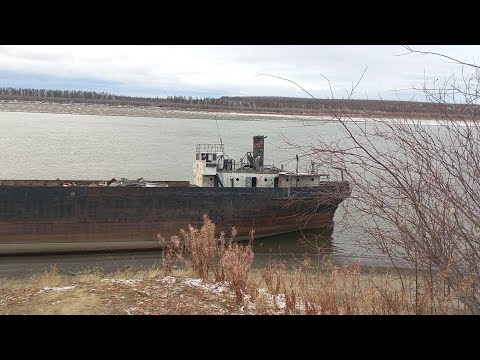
(236, 179)
(286, 179)
(265, 179)
(311, 179)
(212, 179)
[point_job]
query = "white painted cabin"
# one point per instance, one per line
(212, 168)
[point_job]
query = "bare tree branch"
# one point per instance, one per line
(416, 187)
(410, 51)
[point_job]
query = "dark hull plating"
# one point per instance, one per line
(35, 219)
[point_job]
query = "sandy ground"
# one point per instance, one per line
(162, 296)
(152, 293)
(190, 113)
(154, 112)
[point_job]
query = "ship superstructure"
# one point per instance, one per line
(213, 168)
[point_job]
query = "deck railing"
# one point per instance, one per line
(209, 148)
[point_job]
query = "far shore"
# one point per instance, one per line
(181, 113)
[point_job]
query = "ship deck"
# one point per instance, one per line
(80, 183)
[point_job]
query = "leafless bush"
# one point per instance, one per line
(208, 255)
(48, 278)
(204, 249)
(309, 289)
(345, 289)
(236, 262)
(274, 276)
(171, 253)
(416, 189)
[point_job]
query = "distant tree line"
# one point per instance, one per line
(245, 103)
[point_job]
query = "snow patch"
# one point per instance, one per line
(123, 281)
(131, 311)
(193, 282)
(169, 280)
(216, 287)
(56, 289)
(280, 301)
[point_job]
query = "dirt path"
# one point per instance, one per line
(119, 296)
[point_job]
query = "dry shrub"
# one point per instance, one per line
(206, 254)
(307, 289)
(320, 292)
(262, 304)
(171, 252)
(127, 272)
(49, 278)
(274, 276)
(153, 272)
(204, 249)
(290, 302)
(415, 185)
(92, 277)
(236, 262)
(345, 289)
(253, 290)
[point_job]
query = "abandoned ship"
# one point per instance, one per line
(47, 216)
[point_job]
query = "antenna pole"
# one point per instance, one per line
(221, 143)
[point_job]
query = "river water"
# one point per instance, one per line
(66, 146)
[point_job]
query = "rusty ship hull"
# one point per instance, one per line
(44, 217)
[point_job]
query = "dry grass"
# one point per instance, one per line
(349, 290)
(48, 278)
(210, 257)
(122, 292)
(218, 280)
(340, 290)
(235, 264)
(204, 250)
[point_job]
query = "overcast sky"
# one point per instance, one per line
(201, 70)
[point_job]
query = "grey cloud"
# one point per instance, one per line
(234, 69)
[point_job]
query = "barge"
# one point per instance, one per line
(48, 216)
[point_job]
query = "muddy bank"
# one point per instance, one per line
(154, 112)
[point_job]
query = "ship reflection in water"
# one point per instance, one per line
(291, 248)
(287, 248)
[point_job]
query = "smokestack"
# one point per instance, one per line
(258, 149)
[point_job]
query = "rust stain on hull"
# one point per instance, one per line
(77, 218)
